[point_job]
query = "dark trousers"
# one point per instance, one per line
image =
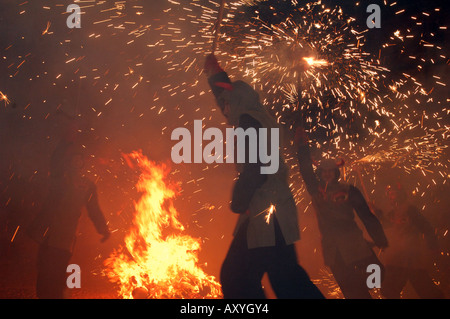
(243, 269)
(52, 266)
(352, 279)
(396, 278)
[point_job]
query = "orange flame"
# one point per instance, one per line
(158, 261)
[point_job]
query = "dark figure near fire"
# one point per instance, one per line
(54, 227)
(345, 250)
(412, 246)
(267, 226)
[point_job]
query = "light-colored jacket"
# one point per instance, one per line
(243, 99)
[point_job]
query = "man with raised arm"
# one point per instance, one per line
(267, 226)
(344, 248)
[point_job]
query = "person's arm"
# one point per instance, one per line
(218, 79)
(96, 214)
(219, 82)
(250, 179)
(305, 162)
(424, 226)
(370, 221)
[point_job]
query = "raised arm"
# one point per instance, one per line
(305, 162)
(217, 78)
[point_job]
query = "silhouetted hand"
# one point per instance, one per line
(105, 237)
(382, 245)
(212, 65)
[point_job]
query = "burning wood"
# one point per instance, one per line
(153, 264)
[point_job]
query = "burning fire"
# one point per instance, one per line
(158, 261)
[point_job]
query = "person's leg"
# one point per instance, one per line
(43, 289)
(394, 281)
(241, 274)
(61, 261)
(351, 279)
(52, 266)
(288, 279)
(423, 284)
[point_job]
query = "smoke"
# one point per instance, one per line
(128, 78)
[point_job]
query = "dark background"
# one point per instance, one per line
(48, 89)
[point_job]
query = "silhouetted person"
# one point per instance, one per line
(412, 241)
(345, 251)
(261, 244)
(55, 226)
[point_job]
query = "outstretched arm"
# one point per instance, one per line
(370, 221)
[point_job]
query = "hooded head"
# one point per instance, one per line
(238, 99)
(241, 99)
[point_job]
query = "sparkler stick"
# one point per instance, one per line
(219, 22)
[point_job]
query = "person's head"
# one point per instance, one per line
(396, 194)
(328, 175)
(328, 171)
(238, 98)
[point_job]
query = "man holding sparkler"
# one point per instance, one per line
(344, 248)
(267, 226)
